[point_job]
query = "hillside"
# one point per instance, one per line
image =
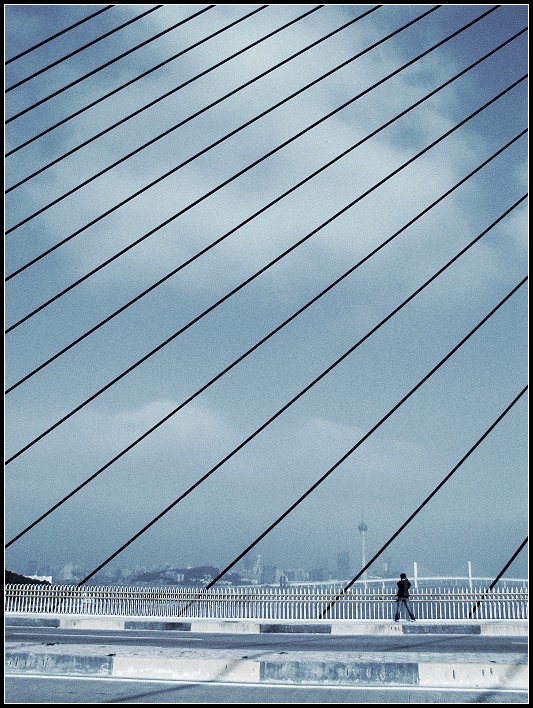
(16, 579)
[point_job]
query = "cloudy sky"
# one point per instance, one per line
(481, 514)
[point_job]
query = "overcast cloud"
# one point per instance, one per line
(481, 514)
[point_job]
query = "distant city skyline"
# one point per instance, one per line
(255, 572)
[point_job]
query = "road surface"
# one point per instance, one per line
(33, 689)
(414, 643)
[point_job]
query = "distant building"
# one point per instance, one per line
(296, 575)
(343, 566)
(363, 528)
(269, 574)
(388, 570)
(318, 574)
(257, 570)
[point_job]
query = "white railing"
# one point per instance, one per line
(264, 603)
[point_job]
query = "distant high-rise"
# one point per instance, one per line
(343, 566)
(363, 528)
(269, 574)
(257, 569)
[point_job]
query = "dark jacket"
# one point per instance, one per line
(403, 588)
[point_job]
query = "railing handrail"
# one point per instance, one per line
(264, 603)
(262, 593)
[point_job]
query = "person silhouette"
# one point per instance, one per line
(402, 598)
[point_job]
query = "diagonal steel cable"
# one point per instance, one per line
(285, 407)
(227, 296)
(178, 125)
(86, 46)
(129, 83)
(502, 571)
(426, 501)
(340, 461)
(58, 34)
(103, 66)
(120, 253)
(152, 103)
(259, 272)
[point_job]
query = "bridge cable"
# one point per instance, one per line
(255, 275)
(247, 168)
(159, 282)
(86, 46)
(526, 539)
(340, 461)
(272, 418)
(290, 249)
(227, 296)
(502, 571)
(423, 504)
(160, 98)
(235, 176)
(166, 222)
(112, 61)
(148, 105)
(208, 148)
(67, 29)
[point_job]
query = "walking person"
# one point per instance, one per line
(403, 598)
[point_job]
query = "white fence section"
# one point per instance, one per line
(264, 603)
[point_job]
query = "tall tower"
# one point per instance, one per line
(363, 528)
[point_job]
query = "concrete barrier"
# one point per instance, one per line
(53, 664)
(473, 675)
(356, 672)
(350, 628)
(226, 626)
(241, 671)
(352, 673)
(188, 661)
(92, 623)
(236, 626)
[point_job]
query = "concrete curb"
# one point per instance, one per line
(342, 627)
(243, 670)
(342, 668)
